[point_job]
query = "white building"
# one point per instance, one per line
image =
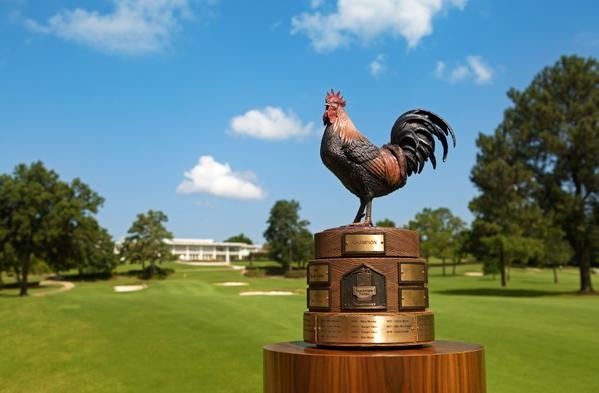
(207, 250)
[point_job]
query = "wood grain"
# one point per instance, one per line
(399, 242)
(443, 367)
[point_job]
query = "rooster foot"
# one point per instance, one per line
(365, 211)
(361, 224)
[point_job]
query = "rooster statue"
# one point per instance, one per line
(369, 171)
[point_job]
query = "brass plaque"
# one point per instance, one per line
(362, 243)
(319, 298)
(363, 289)
(309, 325)
(412, 272)
(318, 273)
(368, 329)
(413, 298)
(426, 327)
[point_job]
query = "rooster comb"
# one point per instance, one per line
(333, 97)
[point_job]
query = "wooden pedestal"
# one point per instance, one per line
(443, 367)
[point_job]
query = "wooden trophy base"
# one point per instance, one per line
(442, 367)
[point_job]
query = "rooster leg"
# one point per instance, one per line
(360, 213)
(368, 218)
(364, 205)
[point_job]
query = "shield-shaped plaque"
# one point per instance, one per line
(363, 289)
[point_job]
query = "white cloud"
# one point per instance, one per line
(461, 4)
(475, 68)
(272, 123)
(135, 27)
(482, 72)
(214, 178)
(377, 66)
(440, 69)
(459, 73)
(367, 19)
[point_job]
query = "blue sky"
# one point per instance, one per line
(210, 111)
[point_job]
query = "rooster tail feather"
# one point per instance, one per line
(415, 132)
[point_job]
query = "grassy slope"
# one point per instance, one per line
(185, 334)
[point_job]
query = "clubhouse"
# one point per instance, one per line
(207, 250)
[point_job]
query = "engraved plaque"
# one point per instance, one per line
(362, 243)
(412, 272)
(319, 298)
(363, 289)
(426, 327)
(413, 298)
(368, 329)
(309, 325)
(318, 273)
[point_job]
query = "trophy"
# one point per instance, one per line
(368, 285)
(367, 327)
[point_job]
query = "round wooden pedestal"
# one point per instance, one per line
(442, 367)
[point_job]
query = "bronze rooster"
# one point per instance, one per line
(369, 171)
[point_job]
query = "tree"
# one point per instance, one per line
(145, 241)
(553, 130)
(505, 212)
(241, 238)
(385, 223)
(439, 230)
(556, 249)
(8, 259)
(75, 230)
(460, 249)
(287, 235)
(37, 213)
(303, 250)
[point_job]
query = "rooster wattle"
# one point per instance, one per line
(369, 171)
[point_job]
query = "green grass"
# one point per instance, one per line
(185, 334)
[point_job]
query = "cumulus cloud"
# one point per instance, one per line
(134, 27)
(367, 19)
(377, 66)
(459, 73)
(475, 68)
(215, 178)
(271, 123)
(482, 72)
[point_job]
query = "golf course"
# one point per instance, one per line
(202, 329)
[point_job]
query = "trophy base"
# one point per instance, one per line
(442, 366)
(369, 329)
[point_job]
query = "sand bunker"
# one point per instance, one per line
(473, 274)
(266, 293)
(231, 284)
(129, 288)
(60, 286)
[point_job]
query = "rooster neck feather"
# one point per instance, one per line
(346, 128)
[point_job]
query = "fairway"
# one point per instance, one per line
(186, 334)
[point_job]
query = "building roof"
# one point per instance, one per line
(208, 242)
